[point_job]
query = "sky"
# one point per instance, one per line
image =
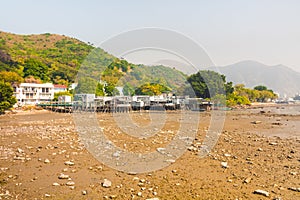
(267, 31)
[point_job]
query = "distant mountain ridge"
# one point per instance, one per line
(279, 78)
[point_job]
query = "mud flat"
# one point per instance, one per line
(257, 156)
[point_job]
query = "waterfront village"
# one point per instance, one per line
(43, 95)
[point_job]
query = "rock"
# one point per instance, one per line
(247, 180)
(262, 192)
(56, 184)
(256, 122)
(294, 189)
(70, 183)
(259, 149)
(227, 155)
(273, 143)
(154, 193)
(155, 198)
(47, 195)
(192, 148)
(139, 194)
(19, 150)
(293, 173)
(106, 183)
(161, 150)
(63, 176)
(224, 164)
(47, 161)
(84, 192)
(70, 163)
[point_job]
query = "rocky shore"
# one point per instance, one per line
(257, 156)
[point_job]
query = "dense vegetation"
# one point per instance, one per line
(7, 100)
(213, 86)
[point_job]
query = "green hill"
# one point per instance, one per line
(57, 58)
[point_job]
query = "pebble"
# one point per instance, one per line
(47, 195)
(153, 198)
(259, 149)
(247, 180)
(70, 183)
(294, 189)
(47, 161)
(84, 192)
(256, 122)
(63, 176)
(106, 183)
(262, 192)
(56, 184)
(19, 150)
(224, 164)
(139, 194)
(70, 163)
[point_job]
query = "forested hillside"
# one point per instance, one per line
(57, 58)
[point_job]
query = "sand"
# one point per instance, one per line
(258, 149)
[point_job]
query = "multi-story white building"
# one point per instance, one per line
(32, 93)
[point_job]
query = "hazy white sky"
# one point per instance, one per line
(267, 31)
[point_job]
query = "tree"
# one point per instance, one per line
(207, 84)
(100, 90)
(260, 88)
(11, 77)
(36, 69)
(152, 89)
(7, 100)
(128, 90)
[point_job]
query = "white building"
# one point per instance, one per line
(32, 93)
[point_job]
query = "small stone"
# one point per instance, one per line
(294, 189)
(154, 193)
(47, 161)
(293, 173)
(63, 176)
(70, 183)
(224, 164)
(142, 180)
(139, 194)
(70, 163)
(56, 184)
(259, 149)
(106, 183)
(256, 122)
(19, 150)
(72, 187)
(247, 180)
(273, 143)
(84, 192)
(47, 195)
(227, 155)
(262, 192)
